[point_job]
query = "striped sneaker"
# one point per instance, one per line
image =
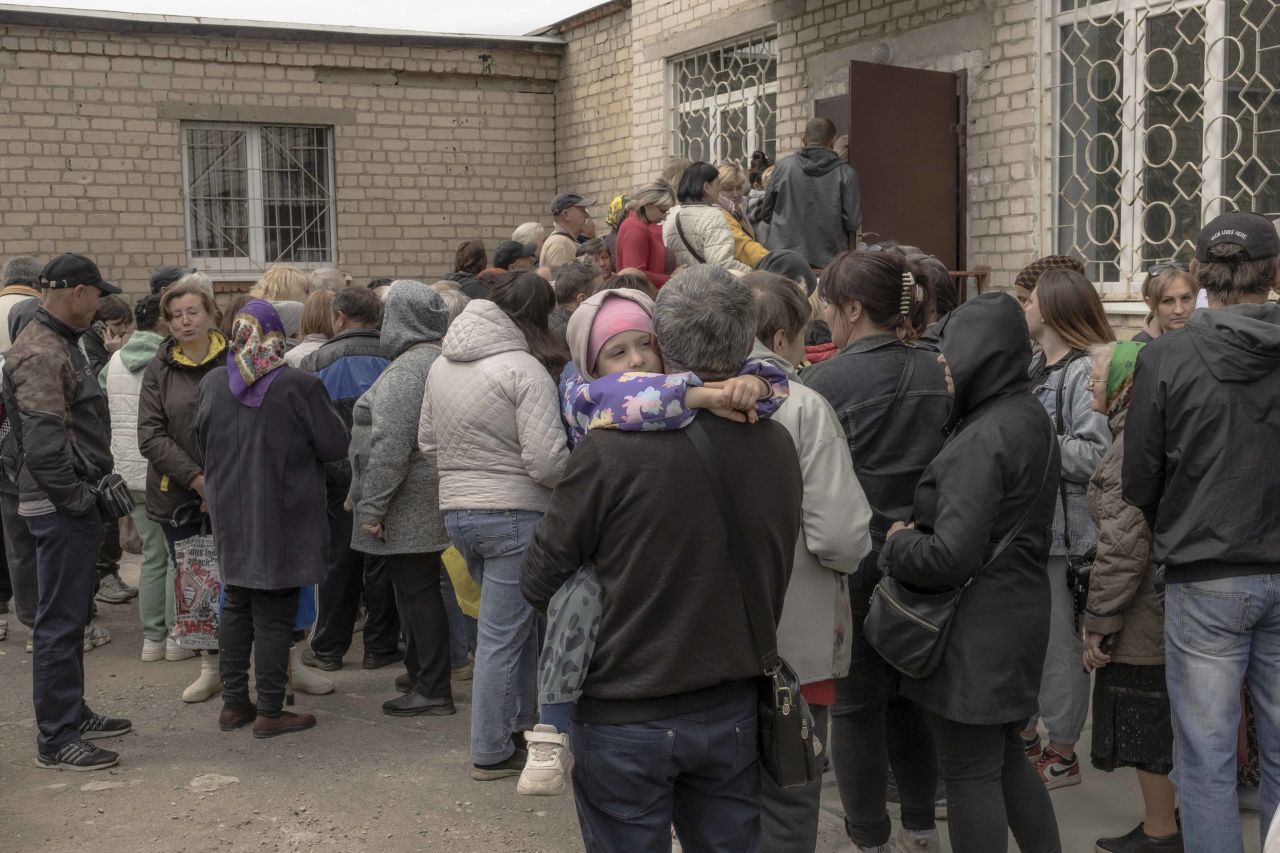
(95, 726)
(78, 755)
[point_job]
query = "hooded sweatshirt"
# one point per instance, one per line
(998, 468)
(393, 483)
(490, 417)
(121, 379)
(1203, 443)
(812, 205)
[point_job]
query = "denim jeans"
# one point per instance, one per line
(503, 689)
(1216, 632)
(698, 771)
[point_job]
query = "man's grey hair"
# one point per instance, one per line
(705, 321)
(22, 269)
(327, 278)
(455, 301)
(529, 232)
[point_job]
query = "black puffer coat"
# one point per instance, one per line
(976, 490)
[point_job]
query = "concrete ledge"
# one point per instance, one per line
(729, 26)
(432, 80)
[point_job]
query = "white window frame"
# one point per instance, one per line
(720, 101)
(256, 263)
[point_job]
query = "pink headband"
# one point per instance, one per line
(615, 316)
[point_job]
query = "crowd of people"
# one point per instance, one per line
(637, 444)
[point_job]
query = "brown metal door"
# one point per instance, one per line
(906, 141)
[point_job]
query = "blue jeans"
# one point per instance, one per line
(698, 771)
(504, 687)
(1215, 633)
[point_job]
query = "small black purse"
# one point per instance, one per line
(787, 744)
(909, 627)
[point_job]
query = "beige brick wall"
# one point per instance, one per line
(594, 109)
(436, 143)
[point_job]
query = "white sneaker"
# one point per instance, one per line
(916, 840)
(306, 679)
(207, 684)
(95, 635)
(152, 650)
(548, 764)
(173, 651)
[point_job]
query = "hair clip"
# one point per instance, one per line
(908, 289)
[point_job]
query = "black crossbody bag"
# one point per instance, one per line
(909, 628)
(788, 746)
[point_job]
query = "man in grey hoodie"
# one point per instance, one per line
(812, 203)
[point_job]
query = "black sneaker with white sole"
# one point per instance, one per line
(95, 726)
(78, 755)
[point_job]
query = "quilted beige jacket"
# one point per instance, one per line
(1122, 590)
(490, 417)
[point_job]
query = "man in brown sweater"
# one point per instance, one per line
(668, 712)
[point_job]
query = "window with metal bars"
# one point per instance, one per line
(1166, 116)
(725, 101)
(258, 195)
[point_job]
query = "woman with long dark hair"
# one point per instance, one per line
(891, 399)
(1065, 317)
(490, 422)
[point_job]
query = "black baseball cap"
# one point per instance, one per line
(564, 201)
(163, 276)
(510, 251)
(70, 270)
(1252, 231)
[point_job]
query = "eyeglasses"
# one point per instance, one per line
(1172, 265)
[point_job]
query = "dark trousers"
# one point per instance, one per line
(351, 573)
(872, 728)
(258, 621)
(789, 816)
(66, 550)
(991, 789)
(110, 552)
(20, 554)
(698, 771)
(416, 578)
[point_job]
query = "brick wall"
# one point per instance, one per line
(433, 144)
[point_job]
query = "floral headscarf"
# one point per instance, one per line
(617, 208)
(1124, 359)
(257, 349)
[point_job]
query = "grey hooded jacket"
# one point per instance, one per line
(393, 483)
(812, 204)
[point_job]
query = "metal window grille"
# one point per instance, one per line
(258, 195)
(1166, 117)
(726, 101)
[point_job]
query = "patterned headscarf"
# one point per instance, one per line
(1031, 273)
(1120, 375)
(257, 349)
(616, 208)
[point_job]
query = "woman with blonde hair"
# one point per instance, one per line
(1065, 317)
(1170, 292)
(640, 243)
(316, 326)
(733, 197)
(282, 283)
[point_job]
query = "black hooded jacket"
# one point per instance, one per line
(999, 465)
(1202, 444)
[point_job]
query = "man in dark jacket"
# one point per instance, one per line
(812, 203)
(669, 704)
(348, 365)
(57, 407)
(1202, 448)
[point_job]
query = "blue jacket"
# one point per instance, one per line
(348, 364)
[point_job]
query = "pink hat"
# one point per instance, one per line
(615, 316)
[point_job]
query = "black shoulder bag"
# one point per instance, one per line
(787, 743)
(909, 628)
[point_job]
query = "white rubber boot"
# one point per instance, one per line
(209, 682)
(306, 679)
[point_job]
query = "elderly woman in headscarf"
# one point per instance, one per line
(395, 491)
(1124, 625)
(265, 430)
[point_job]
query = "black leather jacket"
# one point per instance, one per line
(889, 456)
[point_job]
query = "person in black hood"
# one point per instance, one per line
(1203, 445)
(996, 475)
(812, 203)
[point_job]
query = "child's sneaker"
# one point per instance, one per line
(1056, 771)
(548, 765)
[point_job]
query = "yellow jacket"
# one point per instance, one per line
(745, 249)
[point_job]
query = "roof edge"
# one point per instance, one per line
(586, 16)
(137, 22)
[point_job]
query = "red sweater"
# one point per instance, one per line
(640, 246)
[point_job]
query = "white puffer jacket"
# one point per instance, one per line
(491, 418)
(707, 232)
(122, 380)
